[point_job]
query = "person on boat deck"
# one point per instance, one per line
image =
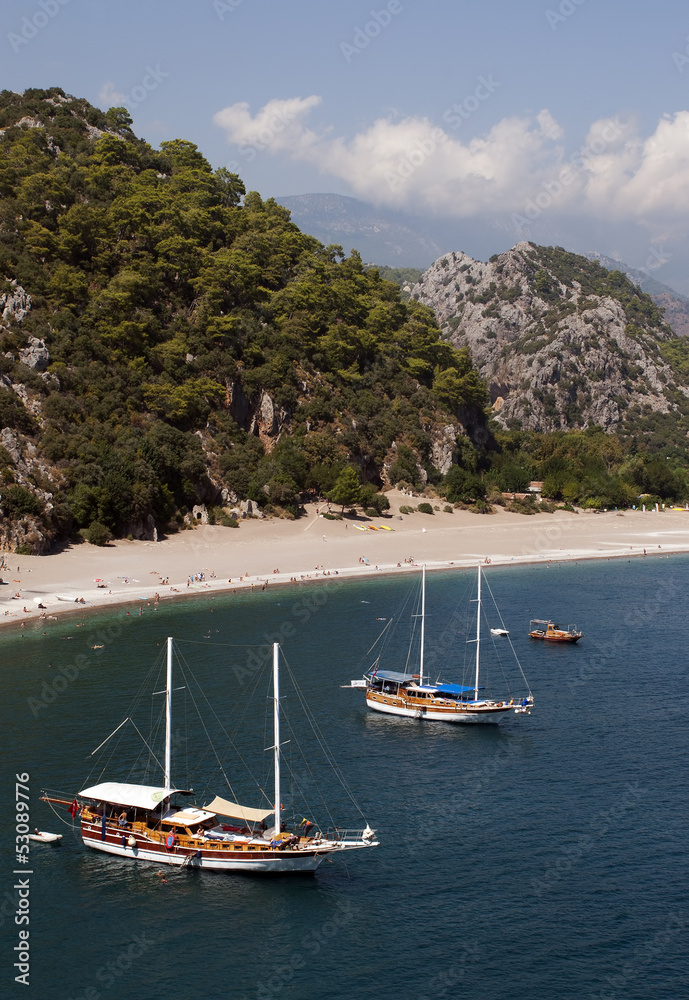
(122, 818)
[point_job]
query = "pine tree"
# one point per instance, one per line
(346, 490)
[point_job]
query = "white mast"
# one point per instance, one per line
(423, 620)
(276, 732)
(168, 716)
(478, 633)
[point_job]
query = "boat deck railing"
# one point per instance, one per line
(338, 834)
(184, 842)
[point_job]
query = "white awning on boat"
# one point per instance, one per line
(235, 811)
(188, 817)
(136, 796)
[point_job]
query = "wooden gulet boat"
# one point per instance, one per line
(150, 823)
(408, 695)
(550, 631)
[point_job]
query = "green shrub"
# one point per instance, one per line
(425, 508)
(373, 501)
(496, 497)
(481, 507)
(98, 534)
(521, 507)
(17, 501)
(217, 515)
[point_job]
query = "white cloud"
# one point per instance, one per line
(414, 163)
(401, 162)
(110, 97)
(549, 127)
(278, 126)
(656, 176)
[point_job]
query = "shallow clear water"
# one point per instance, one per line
(542, 858)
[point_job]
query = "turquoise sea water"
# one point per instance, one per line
(543, 858)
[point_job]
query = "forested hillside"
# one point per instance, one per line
(167, 339)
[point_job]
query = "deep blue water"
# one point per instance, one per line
(544, 858)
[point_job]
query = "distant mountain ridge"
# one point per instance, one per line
(674, 305)
(400, 239)
(380, 236)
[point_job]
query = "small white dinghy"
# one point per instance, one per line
(45, 838)
(499, 631)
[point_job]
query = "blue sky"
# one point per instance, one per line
(519, 111)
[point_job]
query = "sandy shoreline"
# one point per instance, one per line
(314, 548)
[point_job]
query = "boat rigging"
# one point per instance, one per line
(152, 823)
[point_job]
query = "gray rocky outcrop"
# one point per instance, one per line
(15, 304)
(36, 355)
(443, 445)
(256, 413)
(27, 534)
(554, 356)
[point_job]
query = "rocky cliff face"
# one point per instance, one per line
(561, 342)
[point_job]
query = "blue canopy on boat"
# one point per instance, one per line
(454, 688)
(391, 675)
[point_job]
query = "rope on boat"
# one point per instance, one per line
(509, 637)
(145, 744)
(321, 741)
(188, 675)
(57, 815)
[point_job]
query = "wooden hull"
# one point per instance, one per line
(207, 855)
(565, 637)
(486, 713)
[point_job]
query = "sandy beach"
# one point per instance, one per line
(209, 559)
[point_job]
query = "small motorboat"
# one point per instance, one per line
(552, 632)
(499, 631)
(45, 838)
